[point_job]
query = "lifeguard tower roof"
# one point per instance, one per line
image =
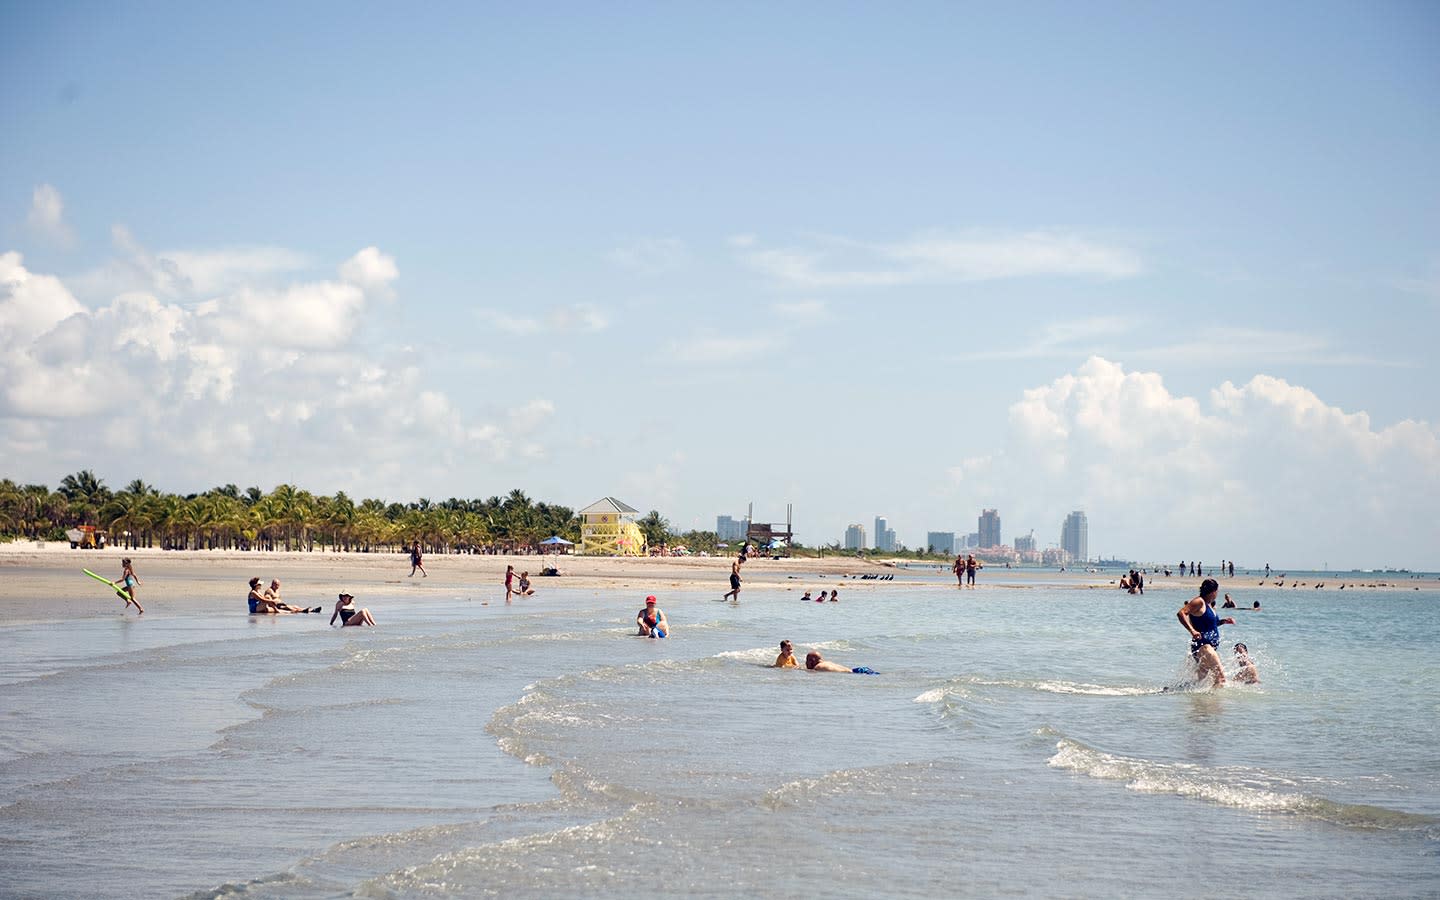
(609, 505)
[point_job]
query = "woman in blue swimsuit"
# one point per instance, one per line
(1199, 618)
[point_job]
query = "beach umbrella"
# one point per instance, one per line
(556, 541)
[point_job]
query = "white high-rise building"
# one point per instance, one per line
(728, 529)
(1075, 536)
(882, 525)
(855, 537)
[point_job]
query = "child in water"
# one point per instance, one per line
(1247, 673)
(525, 590)
(786, 659)
(128, 580)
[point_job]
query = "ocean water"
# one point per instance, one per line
(1018, 741)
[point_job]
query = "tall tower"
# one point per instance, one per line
(1075, 536)
(990, 528)
(882, 530)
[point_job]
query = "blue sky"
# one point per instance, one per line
(694, 256)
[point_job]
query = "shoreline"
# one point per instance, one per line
(34, 580)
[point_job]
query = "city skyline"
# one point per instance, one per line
(416, 259)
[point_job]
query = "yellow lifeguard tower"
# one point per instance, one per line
(607, 528)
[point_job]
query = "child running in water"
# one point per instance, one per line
(128, 581)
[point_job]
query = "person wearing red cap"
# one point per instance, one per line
(652, 620)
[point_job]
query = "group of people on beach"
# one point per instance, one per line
(267, 602)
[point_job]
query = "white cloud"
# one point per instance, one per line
(266, 378)
(47, 215)
(184, 274)
(651, 255)
(1265, 471)
(370, 270)
(940, 258)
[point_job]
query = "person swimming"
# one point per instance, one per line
(806, 597)
(1200, 620)
(1247, 673)
(348, 614)
(1228, 604)
(786, 659)
(815, 663)
(822, 598)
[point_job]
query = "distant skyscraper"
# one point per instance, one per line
(1025, 542)
(855, 537)
(989, 529)
(941, 541)
(882, 535)
(972, 539)
(728, 529)
(1075, 536)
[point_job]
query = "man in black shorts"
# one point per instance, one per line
(734, 582)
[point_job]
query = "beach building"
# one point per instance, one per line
(941, 541)
(1075, 536)
(855, 537)
(607, 528)
(989, 529)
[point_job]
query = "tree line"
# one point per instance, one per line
(285, 518)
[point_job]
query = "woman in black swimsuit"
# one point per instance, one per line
(347, 613)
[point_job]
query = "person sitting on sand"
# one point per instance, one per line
(652, 620)
(260, 605)
(1199, 618)
(786, 659)
(1228, 604)
(815, 663)
(272, 593)
(1247, 673)
(525, 590)
(348, 614)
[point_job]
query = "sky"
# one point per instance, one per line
(1177, 265)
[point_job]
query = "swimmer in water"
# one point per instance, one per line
(786, 659)
(806, 597)
(1228, 604)
(815, 663)
(651, 620)
(1246, 673)
(1200, 620)
(822, 598)
(525, 589)
(348, 614)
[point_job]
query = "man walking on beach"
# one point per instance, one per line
(970, 566)
(415, 561)
(734, 581)
(959, 570)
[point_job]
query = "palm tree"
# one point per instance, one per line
(655, 528)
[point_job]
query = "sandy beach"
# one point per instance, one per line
(41, 583)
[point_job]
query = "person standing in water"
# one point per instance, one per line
(1200, 620)
(734, 581)
(959, 570)
(509, 583)
(128, 581)
(971, 564)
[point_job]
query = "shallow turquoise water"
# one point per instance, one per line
(1018, 741)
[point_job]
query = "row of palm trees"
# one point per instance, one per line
(286, 518)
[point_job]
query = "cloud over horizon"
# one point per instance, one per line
(1266, 467)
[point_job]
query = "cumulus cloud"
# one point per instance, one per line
(940, 258)
(183, 274)
(47, 215)
(261, 381)
(1264, 471)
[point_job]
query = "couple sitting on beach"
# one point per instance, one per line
(268, 602)
(814, 662)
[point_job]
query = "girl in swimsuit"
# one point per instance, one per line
(786, 659)
(128, 580)
(348, 614)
